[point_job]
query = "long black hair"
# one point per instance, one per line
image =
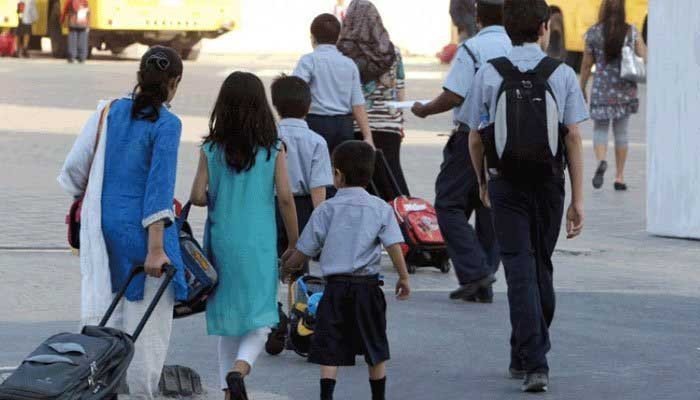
(614, 22)
(158, 67)
(242, 122)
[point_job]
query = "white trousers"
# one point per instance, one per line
(240, 348)
(151, 349)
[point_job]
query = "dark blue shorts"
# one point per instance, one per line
(350, 321)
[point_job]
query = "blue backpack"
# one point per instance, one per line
(200, 274)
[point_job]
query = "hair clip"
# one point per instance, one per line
(160, 60)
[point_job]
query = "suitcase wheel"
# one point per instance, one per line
(445, 267)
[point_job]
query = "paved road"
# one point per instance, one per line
(627, 321)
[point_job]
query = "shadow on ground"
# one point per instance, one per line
(605, 346)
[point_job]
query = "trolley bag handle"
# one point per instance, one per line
(389, 173)
(169, 274)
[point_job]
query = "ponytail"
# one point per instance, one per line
(158, 67)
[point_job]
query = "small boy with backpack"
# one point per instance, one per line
(336, 88)
(308, 161)
(524, 111)
(351, 228)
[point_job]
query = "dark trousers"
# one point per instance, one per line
(335, 129)
(390, 145)
(78, 44)
(305, 207)
(527, 219)
(474, 253)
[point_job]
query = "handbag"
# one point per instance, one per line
(632, 67)
(73, 217)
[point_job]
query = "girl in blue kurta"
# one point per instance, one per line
(140, 158)
(242, 163)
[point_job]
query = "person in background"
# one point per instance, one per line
(76, 13)
(135, 209)
(613, 99)
(308, 161)
(339, 9)
(242, 165)
(349, 231)
(336, 89)
(463, 14)
(27, 15)
(363, 37)
(474, 254)
(527, 210)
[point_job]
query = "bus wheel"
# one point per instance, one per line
(191, 53)
(58, 39)
(557, 46)
(35, 43)
(574, 58)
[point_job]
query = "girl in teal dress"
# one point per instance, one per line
(242, 165)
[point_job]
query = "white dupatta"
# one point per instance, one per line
(84, 159)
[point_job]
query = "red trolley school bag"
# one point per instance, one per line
(8, 44)
(89, 365)
(425, 246)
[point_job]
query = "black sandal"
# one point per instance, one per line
(599, 174)
(620, 187)
(236, 386)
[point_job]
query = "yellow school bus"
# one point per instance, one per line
(572, 18)
(116, 24)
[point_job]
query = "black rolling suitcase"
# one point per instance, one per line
(85, 366)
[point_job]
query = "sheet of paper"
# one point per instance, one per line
(404, 104)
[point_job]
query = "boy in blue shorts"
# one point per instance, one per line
(351, 228)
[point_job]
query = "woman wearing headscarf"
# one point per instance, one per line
(366, 41)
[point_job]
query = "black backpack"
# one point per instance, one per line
(525, 142)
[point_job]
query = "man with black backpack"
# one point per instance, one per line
(474, 253)
(527, 108)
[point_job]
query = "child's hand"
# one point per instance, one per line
(287, 255)
(290, 263)
(403, 290)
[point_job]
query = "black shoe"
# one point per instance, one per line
(71, 61)
(236, 386)
(471, 289)
(620, 187)
(599, 174)
(535, 382)
(484, 295)
(518, 374)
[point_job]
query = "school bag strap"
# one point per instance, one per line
(546, 67)
(471, 54)
(505, 68)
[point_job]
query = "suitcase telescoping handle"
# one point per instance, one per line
(387, 169)
(169, 271)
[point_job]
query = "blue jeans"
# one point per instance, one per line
(78, 44)
(527, 218)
